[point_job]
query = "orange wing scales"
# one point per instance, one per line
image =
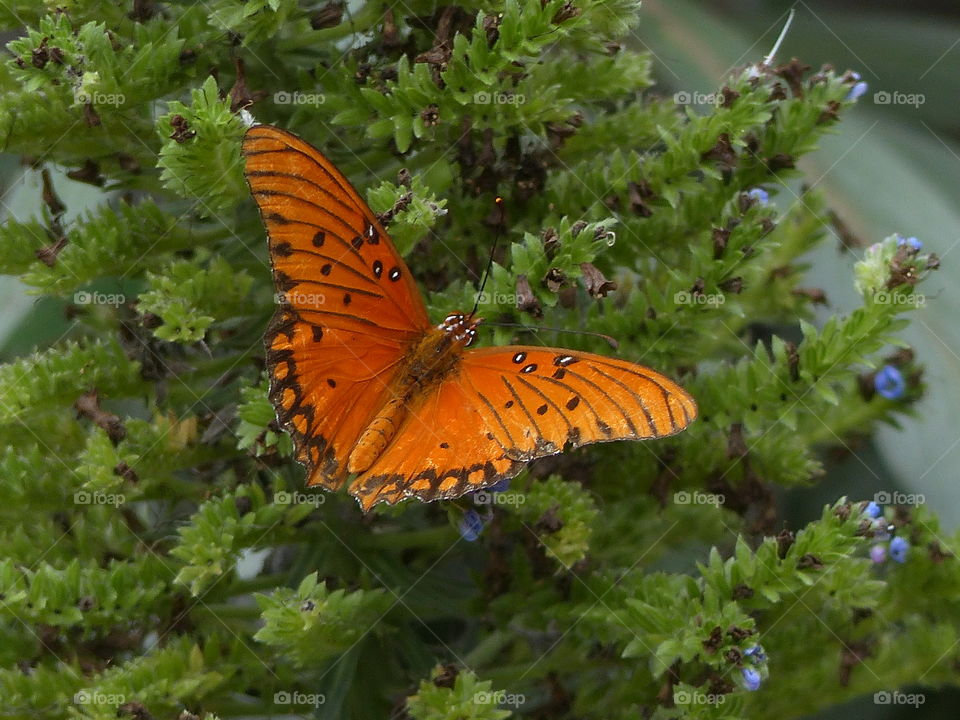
(347, 304)
(362, 382)
(539, 400)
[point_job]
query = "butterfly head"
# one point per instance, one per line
(462, 328)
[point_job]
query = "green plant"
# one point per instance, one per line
(155, 524)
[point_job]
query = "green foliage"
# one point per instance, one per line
(181, 294)
(469, 697)
(161, 553)
(311, 624)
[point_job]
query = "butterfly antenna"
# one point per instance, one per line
(612, 341)
(493, 250)
(783, 34)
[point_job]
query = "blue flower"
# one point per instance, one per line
(501, 486)
(855, 75)
(889, 382)
(760, 195)
(756, 654)
(898, 549)
(911, 242)
(751, 678)
(872, 510)
(471, 525)
(857, 91)
(878, 553)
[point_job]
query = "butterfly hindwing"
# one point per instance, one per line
(443, 450)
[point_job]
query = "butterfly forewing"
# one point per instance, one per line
(347, 305)
(332, 259)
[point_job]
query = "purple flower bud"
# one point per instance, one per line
(857, 91)
(898, 549)
(855, 75)
(872, 510)
(756, 654)
(889, 382)
(471, 525)
(751, 679)
(878, 553)
(759, 195)
(882, 530)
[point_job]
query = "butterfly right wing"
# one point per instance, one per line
(348, 306)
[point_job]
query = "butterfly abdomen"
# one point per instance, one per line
(374, 440)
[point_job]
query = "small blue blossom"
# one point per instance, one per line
(855, 75)
(471, 525)
(872, 510)
(857, 91)
(911, 242)
(751, 678)
(756, 654)
(878, 553)
(898, 549)
(760, 195)
(889, 383)
(501, 486)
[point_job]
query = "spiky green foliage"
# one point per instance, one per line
(160, 552)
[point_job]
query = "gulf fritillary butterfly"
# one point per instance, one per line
(367, 387)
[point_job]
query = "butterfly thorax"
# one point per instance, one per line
(429, 361)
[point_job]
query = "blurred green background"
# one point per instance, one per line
(892, 166)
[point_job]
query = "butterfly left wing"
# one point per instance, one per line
(506, 406)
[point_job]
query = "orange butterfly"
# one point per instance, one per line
(368, 387)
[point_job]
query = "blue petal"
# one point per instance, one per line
(760, 195)
(471, 525)
(751, 678)
(889, 382)
(501, 486)
(857, 91)
(898, 549)
(872, 509)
